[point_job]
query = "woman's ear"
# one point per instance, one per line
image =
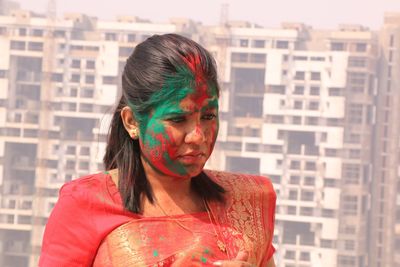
(130, 122)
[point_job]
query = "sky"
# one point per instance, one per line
(320, 14)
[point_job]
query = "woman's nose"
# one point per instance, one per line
(195, 135)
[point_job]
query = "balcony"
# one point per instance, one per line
(29, 76)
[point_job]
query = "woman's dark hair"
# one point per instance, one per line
(152, 62)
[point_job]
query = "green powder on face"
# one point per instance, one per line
(163, 103)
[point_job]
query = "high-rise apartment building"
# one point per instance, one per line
(58, 80)
(384, 243)
(297, 104)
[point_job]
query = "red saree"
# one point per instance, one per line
(88, 227)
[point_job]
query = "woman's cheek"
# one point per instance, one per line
(169, 146)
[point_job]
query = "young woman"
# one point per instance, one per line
(155, 205)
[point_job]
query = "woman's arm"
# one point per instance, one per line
(68, 238)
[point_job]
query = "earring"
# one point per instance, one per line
(134, 133)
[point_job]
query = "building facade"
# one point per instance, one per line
(304, 107)
(297, 106)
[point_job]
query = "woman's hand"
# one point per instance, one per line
(240, 260)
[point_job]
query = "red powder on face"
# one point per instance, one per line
(166, 150)
(193, 62)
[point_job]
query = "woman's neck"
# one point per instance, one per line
(163, 184)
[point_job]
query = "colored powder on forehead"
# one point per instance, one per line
(188, 79)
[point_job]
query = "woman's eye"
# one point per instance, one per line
(210, 116)
(176, 119)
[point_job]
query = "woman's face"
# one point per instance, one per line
(179, 135)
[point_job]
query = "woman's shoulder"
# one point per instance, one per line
(233, 181)
(85, 186)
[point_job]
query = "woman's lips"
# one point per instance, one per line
(191, 158)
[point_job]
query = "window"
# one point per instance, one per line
(354, 153)
(328, 213)
(335, 46)
(244, 43)
(330, 152)
(85, 151)
(257, 58)
(295, 165)
(83, 107)
(109, 80)
(276, 89)
(109, 36)
(37, 32)
(3, 73)
(357, 81)
(131, 37)
(327, 243)
(307, 195)
(309, 180)
(298, 105)
(300, 58)
(298, 90)
(310, 166)
(71, 106)
(315, 76)
(252, 147)
(356, 113)
(83, 165)
(23, 219)
(317, 59)
(314, 90)
(305, 256)
(30, 133)
(35, 46)
(59, 33)
(313, 105)
(70, 164)
(243, 164)
(349, 244)
(22, 32)
(299, 75)
(276, 179)
(293, 194)
(71, 150)
(3, 30)
(351, 173)
(73, 92)
(346, 260)
(89, 79)
(90, 64)
(290, 254)
(306, 211)
(294, 179)
(87, 93)
(361, 47)
(336, 91)
(296, 120)
(282, 44)
(75, 78)
(258, 43)
(125, 51)
(357, 62)
(240, 57)
(291, 210)
(17, 45)
(329, 182)
(350, 205)
(76, 63)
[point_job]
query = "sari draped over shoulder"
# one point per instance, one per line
(89, 227)
(244, 223)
